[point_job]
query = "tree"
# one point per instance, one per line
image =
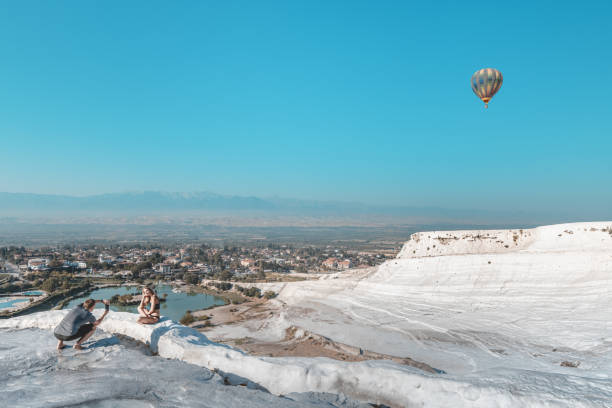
(225, 275)
(253, 292)
(54, 264)
(156, 258)
(51, 284)
(191, 278)
(222, 285)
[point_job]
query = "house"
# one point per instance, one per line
(173, 260)
(74, 264)
(335, 263)
(164, 268)
(248, 262)
(345, 264)
(37, 264)
(330, 263)
(102, 258)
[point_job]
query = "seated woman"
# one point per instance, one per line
(151, 316)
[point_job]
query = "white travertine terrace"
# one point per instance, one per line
(501, 312)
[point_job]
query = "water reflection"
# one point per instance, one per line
(174, 307)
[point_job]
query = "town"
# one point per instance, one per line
(191, 263)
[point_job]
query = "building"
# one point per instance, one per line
(173, 260)
(105, 259)
(248, 262)
(335, 263)
(37, 264)
(77, 265)
(330, 263)
(164, 268)
(345, 264)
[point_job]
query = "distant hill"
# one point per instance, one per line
(133, 201)
(177, 204)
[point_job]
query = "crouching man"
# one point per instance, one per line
(79, 323)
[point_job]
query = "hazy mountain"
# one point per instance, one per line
(205, 203)
(133, 201)
(39, 219)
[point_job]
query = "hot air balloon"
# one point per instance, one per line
(485, 83)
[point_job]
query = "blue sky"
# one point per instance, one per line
(330, 100)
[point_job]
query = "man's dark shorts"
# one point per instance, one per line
(83, 330)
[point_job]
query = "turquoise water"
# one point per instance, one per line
(174, 307)
(33, 293)
(11, 303)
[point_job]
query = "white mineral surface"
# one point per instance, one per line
(498, 311)
(113, 372)
(503, 313)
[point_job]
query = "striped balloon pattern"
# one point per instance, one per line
(485, 83)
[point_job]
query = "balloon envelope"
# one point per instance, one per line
(485, 83)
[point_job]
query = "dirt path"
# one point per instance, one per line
(301, 343)
(232, 314)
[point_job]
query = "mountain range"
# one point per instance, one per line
(206, 203)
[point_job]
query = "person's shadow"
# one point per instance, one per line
(103, 342)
